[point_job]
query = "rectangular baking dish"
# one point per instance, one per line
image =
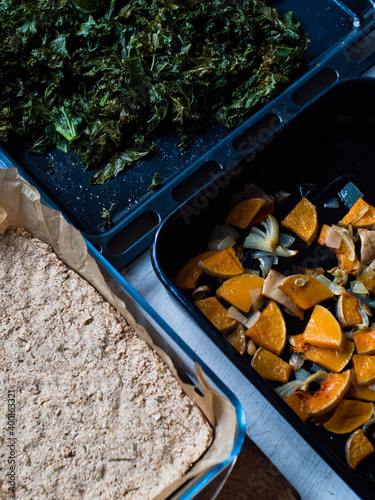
(334, 27)
(184, 360)
(316, 154)
(18, 199)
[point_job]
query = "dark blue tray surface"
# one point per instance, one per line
(332, 27)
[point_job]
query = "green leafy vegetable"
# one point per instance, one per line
(156, 182)
(106, 214)
(101, 76)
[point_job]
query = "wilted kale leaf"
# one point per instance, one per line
(100, 76)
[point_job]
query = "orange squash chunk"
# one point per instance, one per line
(331, 392)
(299, 402)
(305, 291)
(361, 392)
(364, 368)
(331, 359)
(270, 329)
(348, 416)
(367, 277)
(365, 342)
(342, 253)
(238, 339)
(216, 313)
(273, 292)
(360, 215)
(323, 330)
(357, 448)
(189, 274)
(344, 259)
(264, 212)
(303, 221)
(322, 235)
(224, 264)
(236, 290)
(271, 367)
(243, 214)
(348, 310)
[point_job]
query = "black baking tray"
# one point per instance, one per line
(341, 44)
(316, 154)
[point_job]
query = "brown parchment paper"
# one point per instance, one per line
(20, 205)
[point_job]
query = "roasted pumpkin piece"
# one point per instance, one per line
(216, 313)
(367, 277)
(361, 392)
(365, 342)
(346, 256)
(299, 402)
(346, 261)
(364, 368)
(238, 339)
(357, 448)
(270, 329)
(269, 366)
(264, 212)
(330, 393)
(305, 291)
(189, 274)
(243, 214)
(224, 264)
(303, 221)
(348, 312)
(273, 292)
(333, 237)
(331, 359)
(323, 330)
(360, 215)
(349, 415)
(236, 290)
(322, 234)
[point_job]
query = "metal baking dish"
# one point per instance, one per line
(316, 154)
(163, 337)
(341, 44)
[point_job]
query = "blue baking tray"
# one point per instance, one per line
(316, 154)
(341, 44)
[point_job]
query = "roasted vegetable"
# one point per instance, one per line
(101, 76)
(326, 374)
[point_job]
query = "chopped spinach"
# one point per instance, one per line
(101, 76)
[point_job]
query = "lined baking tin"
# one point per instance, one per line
(184, 360)
(316, 154)
(341, 44)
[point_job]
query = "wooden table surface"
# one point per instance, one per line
(254, 476)
(275, 462)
